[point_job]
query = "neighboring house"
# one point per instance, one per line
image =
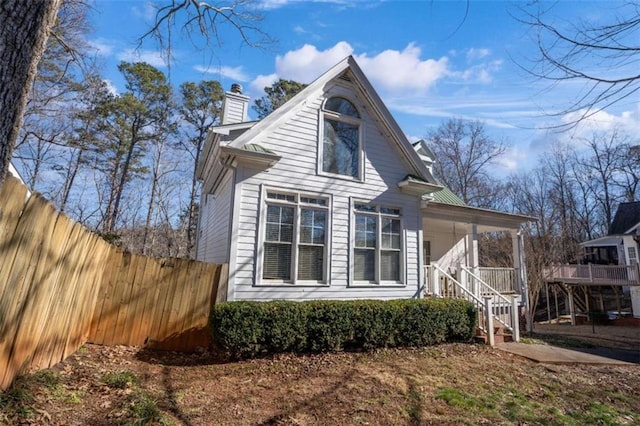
(620, 245)
(326, 198)
(610, 265)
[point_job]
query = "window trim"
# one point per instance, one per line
(402, 282)
(335, 116)
(262, 230)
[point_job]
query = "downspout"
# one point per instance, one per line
(230, 165)
(420, 236)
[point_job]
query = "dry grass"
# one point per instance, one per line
(448, 384)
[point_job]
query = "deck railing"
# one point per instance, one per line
(594, 274)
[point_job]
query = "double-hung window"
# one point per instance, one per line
(295, 238)
(377, 252)
(341, 142)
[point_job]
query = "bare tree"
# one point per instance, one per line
(200, 109)
(207, 19)
(568, 52)
(628, 180)
(26, 26)
(464, 156)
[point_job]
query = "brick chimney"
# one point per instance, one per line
(235, 106)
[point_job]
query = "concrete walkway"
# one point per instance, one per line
(554, 355)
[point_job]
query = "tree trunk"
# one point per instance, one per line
(23, 35)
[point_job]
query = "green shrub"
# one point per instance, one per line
(250, 329)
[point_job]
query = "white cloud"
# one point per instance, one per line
(392, 70)
(480, 73)
(276, 4)
(474, 54)
(102, 47)
(307, 63)
(146, 11)
(627, 121)
(233, 73)
(262, 81)
(400, 71)
(152, 57)
(299, 30)
(110, 86)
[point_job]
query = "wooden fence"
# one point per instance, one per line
(62, 286)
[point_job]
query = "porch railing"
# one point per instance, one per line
(503, 280)
(594, 274)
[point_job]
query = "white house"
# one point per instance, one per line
(326, 198)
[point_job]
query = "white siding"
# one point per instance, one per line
(213, 242)
(296, 140)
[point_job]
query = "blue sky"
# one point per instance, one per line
(426, 60)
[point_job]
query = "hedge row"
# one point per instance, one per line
(249, 329)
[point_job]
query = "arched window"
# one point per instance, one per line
(341, 145)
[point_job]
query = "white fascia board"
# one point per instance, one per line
(273, 118)
(417, 188)
(475, 215)
(226, 129)
(252, 157)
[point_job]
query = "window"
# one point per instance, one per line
(377, 253)
(427, 252)
(633, 257)
(295, 238)
(341, 150)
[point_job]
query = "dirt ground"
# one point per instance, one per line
(445, 384)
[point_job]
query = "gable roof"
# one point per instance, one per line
(626, 219)
(349, 70)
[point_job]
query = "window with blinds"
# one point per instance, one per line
(295, 238)
(377, 252)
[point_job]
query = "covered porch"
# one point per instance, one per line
(452, 266)
(451, 243)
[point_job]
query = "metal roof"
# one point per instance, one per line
(254, 147)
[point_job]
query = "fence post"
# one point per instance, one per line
(488, 316)
(515, 317)
(435, 281)
(590, 274)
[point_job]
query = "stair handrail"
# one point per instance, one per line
(486, 286)
(494, 294)
(470, 297)
(460, 286)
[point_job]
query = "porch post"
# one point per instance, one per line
(515, 317)
(488, 318)
(515, 247)
(472, 255)
(524, 284)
